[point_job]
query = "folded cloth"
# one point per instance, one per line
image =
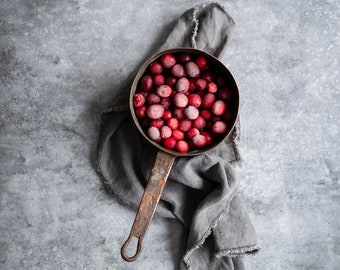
(201, 191)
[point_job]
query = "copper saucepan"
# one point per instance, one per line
(165, 157)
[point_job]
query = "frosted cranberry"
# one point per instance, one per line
(192, 133)
(153, 98)
(200, 84)
(155, 111)
(199, 141)
(194, 100)
(228, 115)
(208, 137)
(182, 85)
(167, 115)
(166, 132)
(184, 125)
(173, 123)
(164, 90)
(208, 100)
(184, 57)
(179, 113)
(168, 60)
(180, 100)
(191, 112)
(212, 87)
(178, 134)
(218, 107)
(153, 133)
(208, 76)
(138, 100)
(219, 127)
(178, 70)
(156, 68)
(225, 93)
(182, 146)
(158, 79)
(141, 111)
(165, 102)
(170, 143)
(192, 70)
(158, 123)
(171, 81)
(206, 114)
(192, 85)
(146, 83)
(201, 62)
(199, 122)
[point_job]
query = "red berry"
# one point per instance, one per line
(208, 76)
(219, 127)
(165, 102)
(208, 100)
(178, 113)
(199, 140)
(182, 85)
(180, 100)
(166, 132)
(192, 85)
(178, 70)
(192, 133)
(167, 115)
(158, 79)
(171, 81)
(155, 111)
(206, 114)
(208, 137)
(212, 87)
(170, 143)
(221, 80)
(199, 122)
(184, 57)
(164, 90)
(191, 112)
(192, 70)
(138, 100)
(194, 100)
(182, 146)
(225, 93)
(173, 123)
(158, 123)
(153, 98)
(146, 83)
(156, 68)
(228, 115)
(184, 125)
(219, 107)
(141, 111)
(168, 60)
(178, 134)
(201, 62)
(153, 133)
(200, 84)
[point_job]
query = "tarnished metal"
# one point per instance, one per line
(151, 196)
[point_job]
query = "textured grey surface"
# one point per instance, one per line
(61, 62)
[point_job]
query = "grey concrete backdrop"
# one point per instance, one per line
(61, 62)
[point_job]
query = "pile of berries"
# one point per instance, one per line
(183, 103)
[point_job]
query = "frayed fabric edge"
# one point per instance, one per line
(239, 251)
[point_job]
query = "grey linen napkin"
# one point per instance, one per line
(201, 191)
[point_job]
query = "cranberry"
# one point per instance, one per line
(212, 87)
(170, 143)
(167, 115)
(201, 62)
(182, 146)
(168, 60)
(173, 123)
(200, 84)
(166, 132)
(208, 100)
(208, 137)
(146, 83)
(228, 115)
(219, 127)
(179, 113)
(218, 107)
(182, 85)
(225, 93)
(184, 57)
(192, 133)
(178, 70)
(158, 123)
(199, 140)
(138, 100)
(158, 79)
(192, 85)
(208, 76)
(199, 122)
(156, 68)
(155, 111)
(153, 133)
(191, 112)
(178, 134)
(171, 81)
(180, 100)
(184, 125)
(192, 70)
(206, 114)
(153, 98)
(166, 103)
(141, 111)
(194, 100)
(164, 90)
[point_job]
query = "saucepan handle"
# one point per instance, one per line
(148, 204)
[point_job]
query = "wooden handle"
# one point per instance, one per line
(147, 207)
